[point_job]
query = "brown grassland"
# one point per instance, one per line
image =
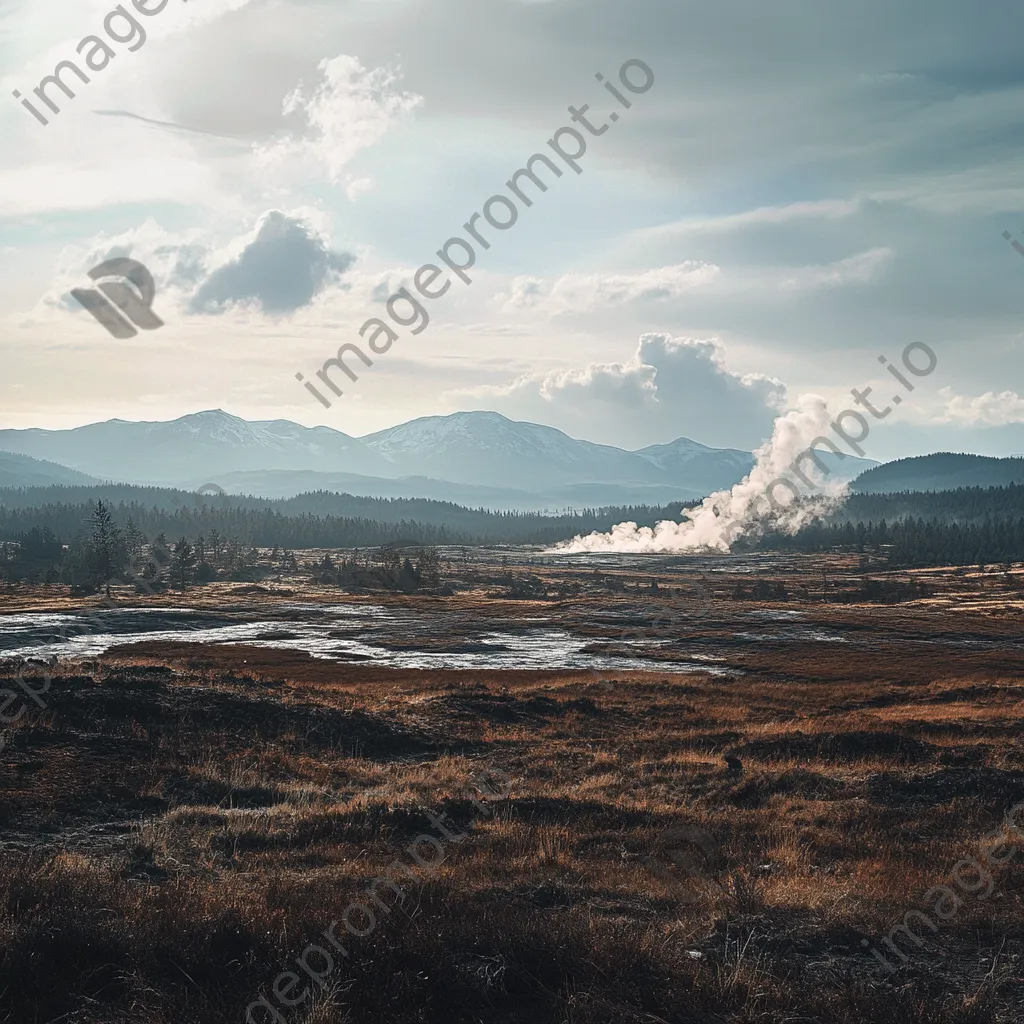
(180, 821)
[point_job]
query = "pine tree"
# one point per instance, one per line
(183, 561)
(107, 556)
(216, 541)
(133, 539)
(408, 580)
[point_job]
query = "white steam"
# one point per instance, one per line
(765, 498)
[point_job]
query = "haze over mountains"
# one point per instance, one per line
(23, 471)
(478, 458)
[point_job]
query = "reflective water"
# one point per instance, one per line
(399, 637)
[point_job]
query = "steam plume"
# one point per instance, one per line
(725, 516)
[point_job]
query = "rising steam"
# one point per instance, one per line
(725, 516)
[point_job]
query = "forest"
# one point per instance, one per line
(80, 535)
(909, 543)
(967, 526)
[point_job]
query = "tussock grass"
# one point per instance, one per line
(175, 831)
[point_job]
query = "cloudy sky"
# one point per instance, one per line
(806, 186)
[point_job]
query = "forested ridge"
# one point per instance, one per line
(941, 471)
(318, 519)
(963, 505)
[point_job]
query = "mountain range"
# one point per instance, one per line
(477, 458)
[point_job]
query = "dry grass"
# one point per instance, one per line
(178, 826)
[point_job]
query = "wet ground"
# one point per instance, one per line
(372, 633)
(618, 634)
(530, 609)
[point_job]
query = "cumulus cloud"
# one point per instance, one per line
(347, 111)
(987, 410)
(176, 261)
(282, 268)
(278, 268)
(670, 387)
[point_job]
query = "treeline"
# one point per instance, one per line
(912, 542)
(964, 505)
(259, 529)
(317, 520)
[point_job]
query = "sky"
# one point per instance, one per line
(802, 188)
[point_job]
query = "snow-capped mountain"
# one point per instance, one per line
(488, 448)
(195, 449)
(703, 468)
(716, 469)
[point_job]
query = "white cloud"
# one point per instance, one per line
(279, 267)
(671, 387)
(349, 110)
(357, 186)
(819, 209)
(584, 293)
(87, 186)
(858, 269)
(841, 207)
(989, 410)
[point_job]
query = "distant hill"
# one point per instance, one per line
(23, 471)
(943, 471)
